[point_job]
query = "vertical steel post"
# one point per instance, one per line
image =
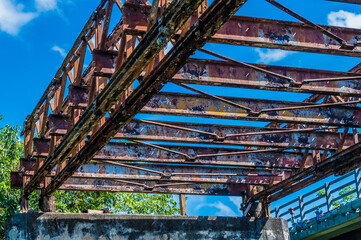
(358, 182)
(302, 207)
(328, 196)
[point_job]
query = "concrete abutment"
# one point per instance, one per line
(44, 226)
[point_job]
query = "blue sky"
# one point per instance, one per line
(35, 35)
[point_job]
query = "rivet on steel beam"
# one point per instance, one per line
(296, 84)
(219, 139)
(191, 158)
(146, 187)
(166, 175)
(254, 114)
(347, 46)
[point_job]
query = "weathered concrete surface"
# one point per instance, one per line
(56, 226)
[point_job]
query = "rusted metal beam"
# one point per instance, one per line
(106, 185)
(226, 74)
(192, 189)
(344, 44)
(169, 173)
(210, 21)
(185, 132)
(131, 152)
(173, 172)
(267, 33)
(291, 81)
(296, 187)
(148, 131)
(175, 16)
(219, 73)
(197, 105)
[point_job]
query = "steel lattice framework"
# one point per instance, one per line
(89, 137)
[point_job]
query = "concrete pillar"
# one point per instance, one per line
(47, 203)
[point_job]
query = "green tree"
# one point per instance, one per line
(11, 150)
(343, 192)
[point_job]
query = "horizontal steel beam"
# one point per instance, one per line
(192, 189)
(294, 36)
(204, 106)
(151, 131)
(226, 74)
(183, 132)
(170, 173)
(132, 152)
(106, 185)
(203, 156)
(264, 33)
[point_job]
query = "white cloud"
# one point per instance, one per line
(60, 50)
(13, 17)
(236, 200)
(344, 19)
(224, 210)
(271, 55)
(46, 5)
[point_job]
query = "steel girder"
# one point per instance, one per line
(226, 74)
(266, 33)
(89, 139)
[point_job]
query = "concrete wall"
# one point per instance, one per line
(55, 226)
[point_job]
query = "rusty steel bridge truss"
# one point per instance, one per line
(90, 138)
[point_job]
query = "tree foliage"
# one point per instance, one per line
(343, 192)
(11, 150)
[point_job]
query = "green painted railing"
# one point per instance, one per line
(321, 199)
